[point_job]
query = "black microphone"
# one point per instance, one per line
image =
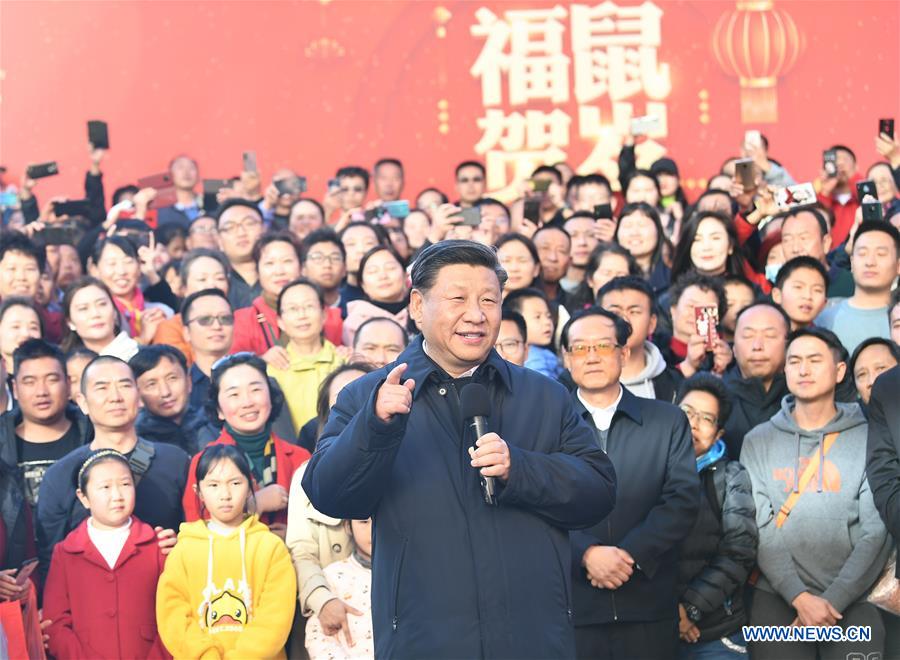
(475, 404)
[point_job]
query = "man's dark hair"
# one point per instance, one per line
(628, 283)
(309, 200)
(822, 334)
(149, 357)
(301, 281)
(817, 213)
(647, 174)
(549, 169)
(231, 203)
(354, 172)
(380, 319)
(546, 228)
(873, 341)
(275, 237)
(604, 249)
(770, 305)
(33, 349)
(100, 359)
(623, 327)
(430, 260)
(381, 236)
(895, 300)
(799, 263)
(589, 180)
(443, 196)
(712, 385)
(508, 314)
(19, 301)
(322, 235)
(844, 148)
(469, 163)
(169, 232)
(388, 161)
(191, 299)
(704, 283)
(13, 241)
(119, 241)
(121, 191)
(883, 227)
(188, 260)
(514, 299)
(490, 201)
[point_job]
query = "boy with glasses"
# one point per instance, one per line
(208, 328)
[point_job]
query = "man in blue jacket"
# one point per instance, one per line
(626, 568)
(454, 577)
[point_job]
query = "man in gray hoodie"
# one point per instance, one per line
(822, 543)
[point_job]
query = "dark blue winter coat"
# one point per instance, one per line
(452, 576)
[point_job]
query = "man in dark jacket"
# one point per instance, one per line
(720, 550)
(165, 389)
(757, 383)
(454, 577)
(883, 470)
(110, 399)
(624, 568)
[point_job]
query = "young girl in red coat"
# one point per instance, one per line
(101, 591)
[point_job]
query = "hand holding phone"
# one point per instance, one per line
(98, 134)
(886, 127)
(42, 170)
(250, 162)
(829, 163)
(743, 171)
(706, 321)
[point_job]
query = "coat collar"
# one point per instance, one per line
(282, 447)
(420, 367)
(78, 542)
(629, 405)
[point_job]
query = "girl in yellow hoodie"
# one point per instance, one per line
(228, 589)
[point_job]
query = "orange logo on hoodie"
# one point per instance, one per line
(831, 477)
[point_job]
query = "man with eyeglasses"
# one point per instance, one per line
(626, 599)
(512, 344)
(354, 184)
(208, 328)
(240, 225)
(470, 182)
(324, 263)
(203, 233)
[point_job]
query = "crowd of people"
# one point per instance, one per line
(168, 372)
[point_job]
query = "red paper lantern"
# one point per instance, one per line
(757, 43)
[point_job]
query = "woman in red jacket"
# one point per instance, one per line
(101, 590)
(243, 397)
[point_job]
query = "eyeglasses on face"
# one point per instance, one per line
(247, 225)
(508, 345)
(207, 321)
(200, 229)
(600, 348)
(705, 419)
(318, 258)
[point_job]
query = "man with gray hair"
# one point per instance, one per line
(397, 448)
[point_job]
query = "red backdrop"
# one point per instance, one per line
(314, 85)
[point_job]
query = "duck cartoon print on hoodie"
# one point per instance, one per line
(227, 592)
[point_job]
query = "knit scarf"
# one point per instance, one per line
(260, 451)
(132, 311)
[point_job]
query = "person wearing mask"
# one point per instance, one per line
(369, 461)
(822, 543)
(388, 179)
(167, 415)
(470, 182)
(512, 340)
(625, 567)
(185, 177)
(93, 322)
(301, 314)
(379, 340)
(200, 269)
(872, 358)
(247, 402)
(277, 256)
(383, 281)
(534, 307)
(20, 321)
(357, 238)
(875, 264)
(45, 426)
(645, 372)
(717, 556)
(800, 289)
(110, 400)
(804, 233)
(838, 193)
(324, 263)
(240, 225)
(208, 330)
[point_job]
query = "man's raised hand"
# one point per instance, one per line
(393, 397)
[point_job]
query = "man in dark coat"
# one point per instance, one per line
(625, 568)
(454, 577)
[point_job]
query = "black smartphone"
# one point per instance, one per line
(213, 186)
(872, 211)
(470, 217)
(250, 161)
(540, 185)
(294, 185)
(829, 163)
(56, 235)
(743, 168)
(42, 170)
(603, 212)
(98, 134)
(532, 210)
(72, 208)
(864, 188)
(886, 126)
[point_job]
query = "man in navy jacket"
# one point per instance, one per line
(454, 577)
(625, 568)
